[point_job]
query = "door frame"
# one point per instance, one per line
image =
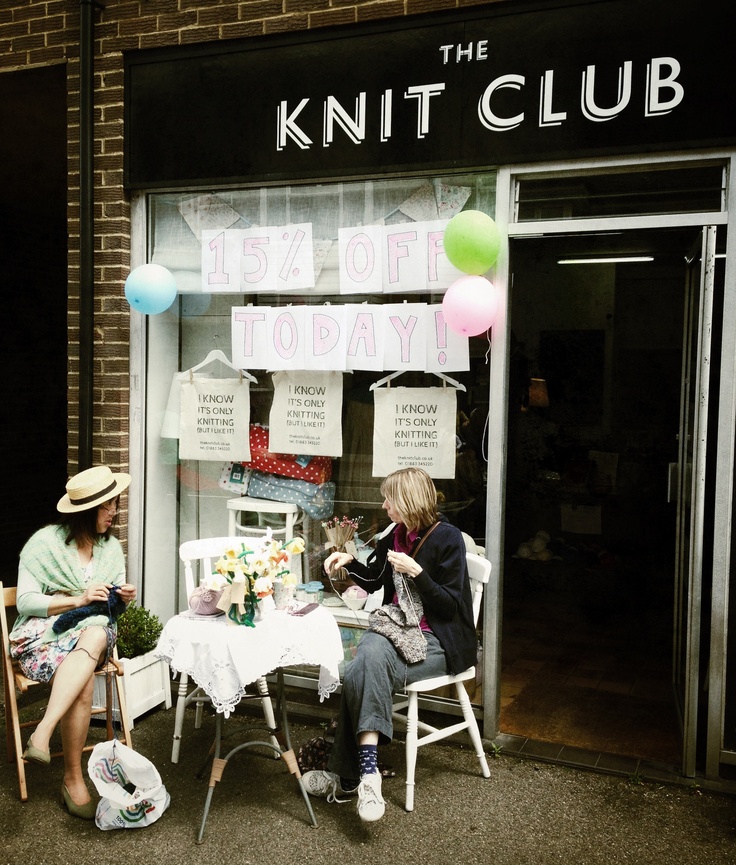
(506, 200)
(691, 480)
(716, 752)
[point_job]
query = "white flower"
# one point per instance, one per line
(263, 586)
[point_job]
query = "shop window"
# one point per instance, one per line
(187, 498)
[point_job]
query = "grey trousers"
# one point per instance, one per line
(369, 683)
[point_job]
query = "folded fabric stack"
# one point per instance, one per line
(316, 500)
(301, 480)
(314, 469)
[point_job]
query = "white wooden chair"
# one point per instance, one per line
(479, 570)
(204, 553)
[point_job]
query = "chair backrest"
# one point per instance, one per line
(470, 544)
(9, 598)
(206, 551)
(479, 571)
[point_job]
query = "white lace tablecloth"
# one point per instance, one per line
(223, 658)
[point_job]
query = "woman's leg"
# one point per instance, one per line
(74, 729)
(369, 683)
(72, 681)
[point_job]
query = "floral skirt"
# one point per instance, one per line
(40, 659)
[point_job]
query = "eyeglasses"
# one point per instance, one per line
(111, 507)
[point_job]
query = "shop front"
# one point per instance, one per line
(585, 442)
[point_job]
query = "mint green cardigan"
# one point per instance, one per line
(55, 568)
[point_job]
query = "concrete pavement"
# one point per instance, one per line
(527, 812)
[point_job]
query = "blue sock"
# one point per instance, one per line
(368, 757)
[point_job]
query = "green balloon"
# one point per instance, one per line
(472, 242)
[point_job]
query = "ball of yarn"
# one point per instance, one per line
(524, 551)
(538, 543)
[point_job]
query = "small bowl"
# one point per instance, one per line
(353, 602)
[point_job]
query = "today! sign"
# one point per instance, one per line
(361, 336)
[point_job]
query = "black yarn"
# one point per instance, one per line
(113, 607)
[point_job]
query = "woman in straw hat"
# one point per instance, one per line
(64, 568)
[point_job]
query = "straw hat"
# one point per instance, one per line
(92, 487)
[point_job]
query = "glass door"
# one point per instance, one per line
(608, 384)
(602, 372)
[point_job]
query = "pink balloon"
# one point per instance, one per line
(470, 304)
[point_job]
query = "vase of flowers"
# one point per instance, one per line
(340, 533)
(249, 574)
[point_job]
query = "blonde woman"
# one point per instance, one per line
(424, 629)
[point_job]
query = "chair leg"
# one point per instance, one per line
(181, 704)
(470, 720)
(109, 708)
(14, 742)
(268, 713)
(266, 703)
(123, 707)
(412, 746)
(199, 711)
(9, 740)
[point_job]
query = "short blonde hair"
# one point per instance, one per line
(412, 493)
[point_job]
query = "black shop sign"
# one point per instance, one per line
(502, 84)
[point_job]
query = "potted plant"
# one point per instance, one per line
(138, 632)
(146, 681)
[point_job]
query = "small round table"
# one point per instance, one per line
(223, 659)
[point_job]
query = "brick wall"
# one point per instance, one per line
(42, 32)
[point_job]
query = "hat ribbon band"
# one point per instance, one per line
(85, 499)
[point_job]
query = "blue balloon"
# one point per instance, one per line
(150, 289)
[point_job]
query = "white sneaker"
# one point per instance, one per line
(371, 806)
(326, 785)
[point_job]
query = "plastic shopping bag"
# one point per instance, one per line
(130, 786)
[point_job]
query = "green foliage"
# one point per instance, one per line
(138, 631)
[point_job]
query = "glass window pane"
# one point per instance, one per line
(631, 193)
(188, 498)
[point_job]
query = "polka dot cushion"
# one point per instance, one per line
(317, 500)
(314, 469)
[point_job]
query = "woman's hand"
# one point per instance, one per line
(335, 561)
(95, 592)
(403, 564)
(101, 592)
(127, 592)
